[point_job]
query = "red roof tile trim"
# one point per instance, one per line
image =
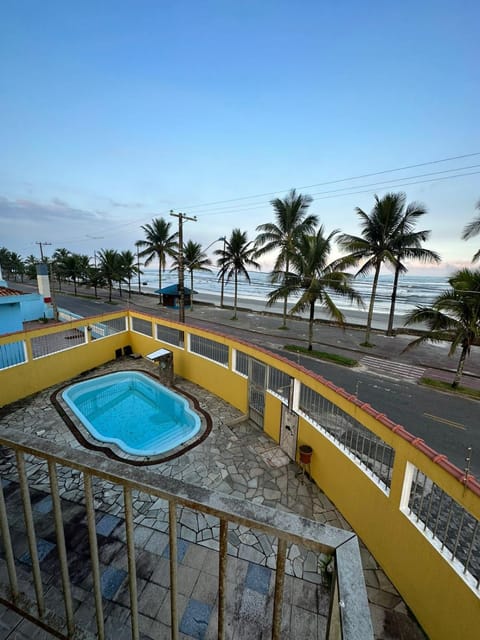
(5, 291)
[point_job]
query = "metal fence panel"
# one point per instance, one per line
(12, 354)
(142, 326)
(455, 530)
(58, 341)
(370, 451)
(170, 335)
(108, 328)
(210, 349)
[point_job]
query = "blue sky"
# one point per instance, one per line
(113, 113)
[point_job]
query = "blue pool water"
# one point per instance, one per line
(133, 411)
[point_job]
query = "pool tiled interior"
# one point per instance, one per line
(236, 458)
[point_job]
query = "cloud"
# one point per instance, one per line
(126, 205)
(22, 211)
(59, 203)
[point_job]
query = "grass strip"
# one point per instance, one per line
(446, 386)
(322, 355)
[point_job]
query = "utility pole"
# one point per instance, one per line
(181, 289)
(42, 244)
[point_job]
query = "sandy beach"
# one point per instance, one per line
(357, 317)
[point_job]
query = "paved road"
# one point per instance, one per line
(386, 379)
(447, 423)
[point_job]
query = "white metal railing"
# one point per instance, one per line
(454, 531)
(279, 383)
(142, 326)
(240, 363)
(12, 354)
(170, 336)
(369, 451)
(349, 611)
(107, 328)
(49, 343)
(209, 349)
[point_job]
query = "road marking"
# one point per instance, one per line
(450, 423)
(393, 370)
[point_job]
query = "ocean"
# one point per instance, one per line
(412, 290)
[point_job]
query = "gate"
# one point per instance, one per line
(257, 381)
(288, 432)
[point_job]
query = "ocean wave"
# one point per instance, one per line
(412, 290)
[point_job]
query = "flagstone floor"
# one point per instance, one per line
(236, 458)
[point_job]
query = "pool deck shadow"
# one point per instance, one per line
(237, 459)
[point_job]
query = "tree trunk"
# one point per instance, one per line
(310, 326)
(235, 298)
(459, 371)
(160, 283)
(372, 302)
(109, 290)
(393, 300)
(74, 285)
(285, 300)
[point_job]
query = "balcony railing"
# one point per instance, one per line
(349, 615)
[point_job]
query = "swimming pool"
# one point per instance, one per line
(133, 411)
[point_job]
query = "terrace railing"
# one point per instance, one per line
(349, 615)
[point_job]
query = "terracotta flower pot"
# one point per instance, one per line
(305, 453)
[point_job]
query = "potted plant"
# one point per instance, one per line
(305, 453)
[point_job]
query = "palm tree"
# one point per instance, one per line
(313, 278)
(291, 221)
(473, 229)
(376, 245)
(17, 266)
(5, 261)
(454, 315)
(408, 247)
(194, 259)
(58, 258)
(110, 267)
(159, 243)
(129, 268)
(31, 266)
(238, 255)
(95, 278)
(74, 266)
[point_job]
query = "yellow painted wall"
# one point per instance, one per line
(273, 417)
(444, 605)
(207, 374)
(34, 376)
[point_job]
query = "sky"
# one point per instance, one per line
(116, 113)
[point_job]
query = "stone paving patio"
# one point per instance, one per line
(237, 459)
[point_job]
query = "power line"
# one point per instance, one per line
(372, 184)
(337, 180)
(239, 207)
(338, 195)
